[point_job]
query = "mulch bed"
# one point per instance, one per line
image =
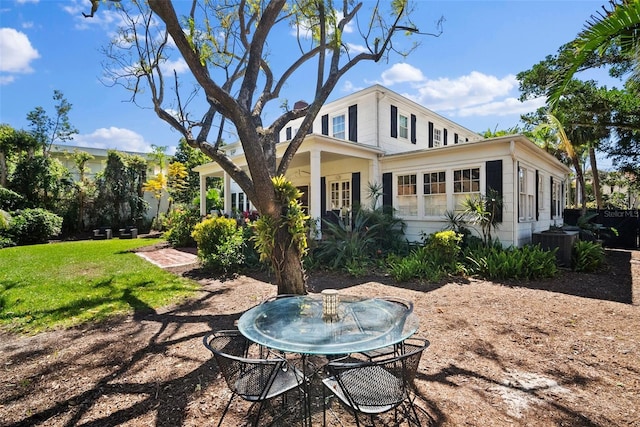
(561, 352)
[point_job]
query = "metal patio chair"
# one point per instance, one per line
(254, 378)
(377, 386)
(395, 349)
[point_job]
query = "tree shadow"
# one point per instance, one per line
(613, 283)
(119, 360)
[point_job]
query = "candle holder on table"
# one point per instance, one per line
(330, 300)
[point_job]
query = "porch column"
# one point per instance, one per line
(374, 174)
(203, 195)
(227, 194)
(315, 198)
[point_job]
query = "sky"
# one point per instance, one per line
(467, 74)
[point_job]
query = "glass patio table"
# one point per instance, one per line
(296, 324)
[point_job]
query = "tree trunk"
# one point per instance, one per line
(580, 182)
(3, 169)
(287, 264)
(596, 178)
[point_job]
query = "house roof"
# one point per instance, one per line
(521, 140)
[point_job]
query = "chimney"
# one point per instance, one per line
(299, 105)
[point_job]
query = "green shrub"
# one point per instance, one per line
(436, 259)
(219, 243)
(179, 225)
(497, 263)
(388, 234)
(6, 242)
(30, 226)
(587, 256)
(10, 200)
(348, 248)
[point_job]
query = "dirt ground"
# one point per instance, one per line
(561, 352)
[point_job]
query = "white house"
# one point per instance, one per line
(64, 153)
(425, 163)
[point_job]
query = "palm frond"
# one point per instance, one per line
(620, 24)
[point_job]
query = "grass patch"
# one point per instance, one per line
(61, 285)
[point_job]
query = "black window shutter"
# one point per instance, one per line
(353, 123)
(494, 181)
(387, 192)
(430, 134)
(537, 201)
(561, 196)
(518, 189)
(323, 196)
(355, 190)
(394, 121)
(455, 138)
(288, 130)
(413, 128)
(553, 205)
(445, 136)
(325, 124)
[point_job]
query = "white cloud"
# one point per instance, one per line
(106, 17)
(349, 87)
(505, 107)
(473, 95)
(473, 89)
(17, 52)
(179, 66)
(113, 138)
(5, 80)
(27, 1)
(402, 73)
(303, 29)
(355, 49)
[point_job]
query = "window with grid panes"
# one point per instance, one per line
(526, 194)
(556, 203)
(340, 195)
(338, 127)
(435, 193)
(466, 182)
(437, 137)
(403, 123)
(407, 195)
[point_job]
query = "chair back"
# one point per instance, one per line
(250, 378)
(379, 382)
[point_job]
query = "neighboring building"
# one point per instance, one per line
(97, 164)
(426, 164)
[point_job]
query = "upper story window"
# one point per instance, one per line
(403, 126)
(437, 137)
(338, 126)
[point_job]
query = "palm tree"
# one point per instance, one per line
(616, 28)
(564, 143)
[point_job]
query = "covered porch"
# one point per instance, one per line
(332, 175)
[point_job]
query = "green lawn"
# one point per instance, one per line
(64, 284)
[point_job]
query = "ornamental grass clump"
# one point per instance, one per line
(497, 263)
(587, 256)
